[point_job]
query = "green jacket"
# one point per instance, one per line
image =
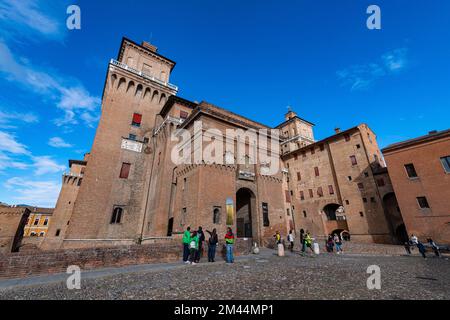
(308, 239)
(186, 237)
(195, 238)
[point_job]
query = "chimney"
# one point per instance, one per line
(432, 132)
(337, 130)
(149, 46)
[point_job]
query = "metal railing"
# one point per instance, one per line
(142, 74)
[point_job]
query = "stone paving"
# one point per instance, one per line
(264, 276)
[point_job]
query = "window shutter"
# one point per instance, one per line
(288, 196)
(320, 192)
(137, 118)
(316, 171)
(330, 189)
(125, 170)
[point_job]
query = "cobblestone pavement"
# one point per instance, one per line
(264, 276)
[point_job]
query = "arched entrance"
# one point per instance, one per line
(330, 210)
(394, 217)
(343, 234)
(245, 204)
(336, 219)
(401, 234)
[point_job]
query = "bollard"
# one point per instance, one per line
(280, 250)
(316, 248)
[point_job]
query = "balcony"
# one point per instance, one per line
(71, 174)
(297, 138)
(143, 75)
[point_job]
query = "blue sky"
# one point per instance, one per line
(252, 57)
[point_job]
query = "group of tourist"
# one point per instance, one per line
(306, 241)
(333, 241)
(414, 242)
(193, 244)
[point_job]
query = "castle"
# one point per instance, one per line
(129, 190)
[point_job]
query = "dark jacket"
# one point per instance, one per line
(213, 239)
(201, 236)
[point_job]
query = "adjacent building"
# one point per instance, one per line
(420, 172)
(130, 190)
(38, 222)
(340, 185)
(12, 224)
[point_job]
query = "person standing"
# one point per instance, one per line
(201, 239)
(338, 243)
(186, 242)
(414, 241)
(329, 244)
(291, 239)
(422, 249)
(229, 241)
(407, 247)
(308, 241)
(435, 247)
(277, 237)
(302, 240)
(193, 247)
(212, 244)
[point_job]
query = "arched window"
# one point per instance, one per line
(216, 215)
(116, 215)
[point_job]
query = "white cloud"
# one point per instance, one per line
(395, 60)
(359, 77)
(69, 95)
(31, 18)
(38, 193)
(45, 164)
(8, 120)
(8, 143)
(10, 149)
(58, 142)
(7, 162)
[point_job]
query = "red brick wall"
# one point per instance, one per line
(432, 182)
(23, 264)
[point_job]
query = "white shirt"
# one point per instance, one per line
(291, 237)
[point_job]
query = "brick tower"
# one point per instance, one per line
(137, 86)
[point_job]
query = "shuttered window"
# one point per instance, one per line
(288, 196)
(302, 195)
(320, 192)
(330, 189)
(125, 170)
(137, 119)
